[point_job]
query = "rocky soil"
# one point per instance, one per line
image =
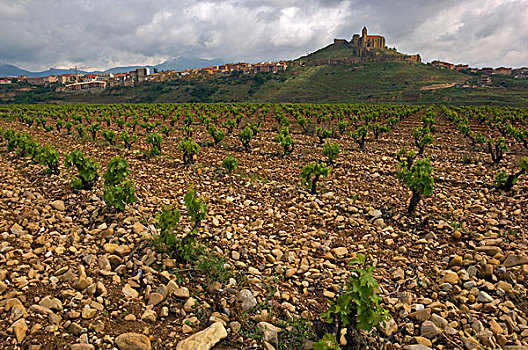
(76, 275)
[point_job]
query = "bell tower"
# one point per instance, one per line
(364, 37)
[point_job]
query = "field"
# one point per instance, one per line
(271, 253)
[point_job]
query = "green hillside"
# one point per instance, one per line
(306, 80)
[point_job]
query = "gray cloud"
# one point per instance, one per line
(37, 34)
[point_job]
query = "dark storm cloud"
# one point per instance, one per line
(37, 34)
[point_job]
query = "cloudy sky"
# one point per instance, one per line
(97, 34)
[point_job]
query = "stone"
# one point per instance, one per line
(496, 327)
(417, 347)
(58, 205)
(190, 305)
(155, 299)
(17, 230)
(122, 250)
(182, 292)
(429, 330)
(3, 287)
(81, 284)
(374, 213)
(51, 303)
(204, 340)
(423, 341)
(484, 297)
(340, 251)
(486, 270)
(20, 329)
(132, 341)
(82, 347)
(246, 299)
(130, 292)
(456, 261)
(420, 315)
(388, 327)
(515, 260)
(149, 316)
(130, 317)
(450, 277)
(138, 228)
(88, 313)
(269, 332)
(235, 326)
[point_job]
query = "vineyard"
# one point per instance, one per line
(263, 226)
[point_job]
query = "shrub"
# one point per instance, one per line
(342, 125)
(422, 138)
(118, 191)
(245, 137)
(418, 179)
(189, 149)
(331, 151)
(68, 125)
(496, 149)
(116, 171)
(154, 139)
(168, 221)
(311, 173)
(360, 135)
(216, 134)
(506, 182)
(229, 163)
(378, 129)
(58, 124)
(80, 130)
(285, 140)
(322, 134)
(166, 130)
(110, 136)
(127, 139)
(50, 157)
(86, 167)
(93, 129)
(357, 308)
(229, 124)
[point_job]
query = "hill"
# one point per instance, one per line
(333, 74)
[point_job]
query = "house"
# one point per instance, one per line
(503, 71)
(487, 70)
(86, 85)
(520, 73)
(68, 78)
(462, 67)
(443, 65)
(485, 80)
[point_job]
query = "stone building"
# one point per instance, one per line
(370, 41)
(362, 45)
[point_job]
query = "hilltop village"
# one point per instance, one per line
(360, 49)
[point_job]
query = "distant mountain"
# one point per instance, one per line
(179, 63)
(182, 63)
(8, 70)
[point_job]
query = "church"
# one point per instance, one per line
(369, 41)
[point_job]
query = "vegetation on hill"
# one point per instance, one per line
(306, 81)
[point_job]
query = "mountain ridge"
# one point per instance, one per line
(178, 63)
